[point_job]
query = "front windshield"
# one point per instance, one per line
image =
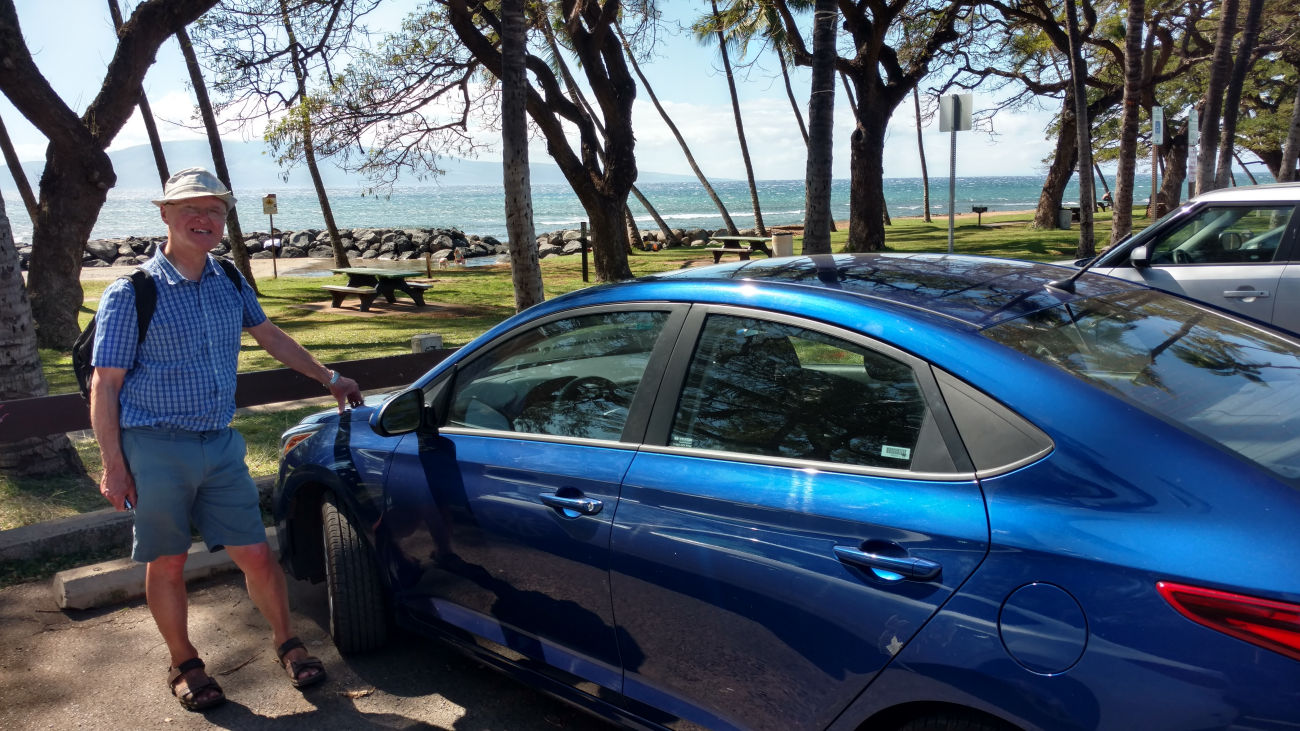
(1233, 383)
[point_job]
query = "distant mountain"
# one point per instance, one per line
(252, 167)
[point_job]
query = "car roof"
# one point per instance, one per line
(981, 291)
(1284, 192)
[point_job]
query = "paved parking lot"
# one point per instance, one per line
(106, 669)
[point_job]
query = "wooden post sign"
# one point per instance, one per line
(270, 208)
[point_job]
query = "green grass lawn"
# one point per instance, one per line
(485, 297)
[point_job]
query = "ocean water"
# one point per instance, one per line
(481, 209)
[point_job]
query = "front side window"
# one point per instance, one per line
(573, 377)
(1233, 383)
(1224, 235)
(764, 388)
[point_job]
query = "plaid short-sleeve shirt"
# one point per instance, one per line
(183, 375)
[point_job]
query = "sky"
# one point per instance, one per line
(686, 77)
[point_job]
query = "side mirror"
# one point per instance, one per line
(1140, 257)
(401, 414)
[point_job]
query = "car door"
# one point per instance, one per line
(500, 522)
(794, 518)
(1232, 255)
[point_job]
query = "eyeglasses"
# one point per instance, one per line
(211, 212)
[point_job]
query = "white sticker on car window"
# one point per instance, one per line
(895, 452)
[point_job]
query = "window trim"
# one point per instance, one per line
(659, 428)
(440, 391)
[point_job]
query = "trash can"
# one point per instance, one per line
(1063, 219)
(782, 244)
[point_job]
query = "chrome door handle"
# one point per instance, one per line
(1245, 293)
(917, 569)
(583, 505)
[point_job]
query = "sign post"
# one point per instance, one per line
(954, 117)
(270, 208)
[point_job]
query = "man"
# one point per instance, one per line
(161, 411)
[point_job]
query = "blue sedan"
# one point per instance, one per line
(836, 492)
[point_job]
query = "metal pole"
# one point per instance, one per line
(952, 169)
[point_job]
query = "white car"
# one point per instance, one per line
(1237, 248)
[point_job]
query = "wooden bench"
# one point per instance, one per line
(338, 293)
(416, 290)
(718, 251)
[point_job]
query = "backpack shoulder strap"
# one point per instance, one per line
(229, 268)
(146, 301)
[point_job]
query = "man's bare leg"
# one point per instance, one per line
(270, 593)
(164, 587)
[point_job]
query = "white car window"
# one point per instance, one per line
(1224, 235)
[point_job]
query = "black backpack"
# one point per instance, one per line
(146, 299)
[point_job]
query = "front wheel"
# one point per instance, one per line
(358, 619)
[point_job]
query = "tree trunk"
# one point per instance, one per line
(789, 92)
(1122, 204)
(525, 271)
(21, 374)
(1064, 158)
(866, 186)
(1175, 169)
(669, 236)
(304, 128)
(740, 126)
(681, 141)
(920, 147)
(1245, 58)
(821, 120)
(73, 190)
(16, 170)
(1078, 74)
(1286, 171)
(235, 232)
(1212, 109)
(146, 114)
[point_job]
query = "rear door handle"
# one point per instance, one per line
(916, 569)
(576, 505)
(1245, 293)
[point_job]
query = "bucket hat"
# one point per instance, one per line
(194, 183)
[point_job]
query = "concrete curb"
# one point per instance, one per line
(114, 582)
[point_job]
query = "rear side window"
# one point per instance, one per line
(763, 388)
(1233, 383)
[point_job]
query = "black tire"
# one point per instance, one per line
(954, 722)
(358, 616)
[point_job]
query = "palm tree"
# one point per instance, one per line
(714, 25)
(235, 232)
(525, 271)
(920, 146)
(146, 114)
(686, 150)
(821, 117)
(1220, 69)
(21, 375)
(1122, 216)
(1291, 148)
(1078, 75)
(16, 170)
(1245, 57)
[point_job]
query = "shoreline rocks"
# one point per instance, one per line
(364, 244)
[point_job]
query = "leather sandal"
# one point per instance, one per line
(295, 668)
(190, 697)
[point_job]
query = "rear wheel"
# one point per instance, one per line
(953, 722)
(358, 618)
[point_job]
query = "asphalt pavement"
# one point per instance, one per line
(106, 669)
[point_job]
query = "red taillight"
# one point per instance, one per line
(1272, 625)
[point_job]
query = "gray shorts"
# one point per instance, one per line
(185, 478)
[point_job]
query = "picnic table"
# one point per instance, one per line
(742, 245)
(370, 282)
